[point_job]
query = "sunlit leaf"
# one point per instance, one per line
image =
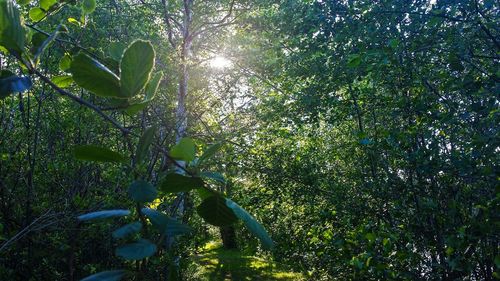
(94, 77)
(63, 81)
(184, 150)
(12, 33)
(135, 67)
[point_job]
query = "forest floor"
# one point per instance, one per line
(215, 263)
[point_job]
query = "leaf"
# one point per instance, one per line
(142, 191)
(11, 83)
(164, 224)
(144, 144)
(127, 230)
(215, 211)
(12, 33)
(46, 4)
(36, 14)
(152, 86)
(136, 251)
(88, 6)
(104, 214)
(94, 77)
(354, 60)
(209, 152)
(97, 154)
(47, 42)
(111, 275)
(116, 50)
(135, 67)
(252, 224)
(63, 81)
(150, 92)
(65, 62)
(174, 182)
(185, 150)
(214, 176)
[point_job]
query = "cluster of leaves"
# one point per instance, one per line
(132, 87)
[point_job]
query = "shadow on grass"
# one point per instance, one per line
(216, 263)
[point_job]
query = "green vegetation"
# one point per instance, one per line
(305, 139)
(214, 262)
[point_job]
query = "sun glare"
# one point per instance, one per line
(220, 62)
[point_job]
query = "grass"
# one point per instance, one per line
(215, 263)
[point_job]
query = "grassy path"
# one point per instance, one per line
(215, 263)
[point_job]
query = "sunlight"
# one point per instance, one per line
(220, 62)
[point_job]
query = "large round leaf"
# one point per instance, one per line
(136, 251)
(215, 211)
(94, 76)
(12, 33)
(135, 67)
(142, 191)
(184, 150)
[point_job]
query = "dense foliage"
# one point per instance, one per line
(363, 135)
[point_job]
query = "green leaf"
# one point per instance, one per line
(11, 83)
(47, 42)
(255, 227)
(213, 176)
(142, 191)
(65, 62)
(116, 50)
(62, 81)
(36, 14)
(46, 4)
(12, 33)
(135, 67)
(127, 230)
(354, 60)
(111, 275)
(152, 86)
(149, 91)
(136, 251)
(209, 152)
(174, 182)
(215, 211)
(144, 144)
(95, 77)
(185, 150)
(97, 154)
(164, 224)
(104, 215)
(88, 6)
